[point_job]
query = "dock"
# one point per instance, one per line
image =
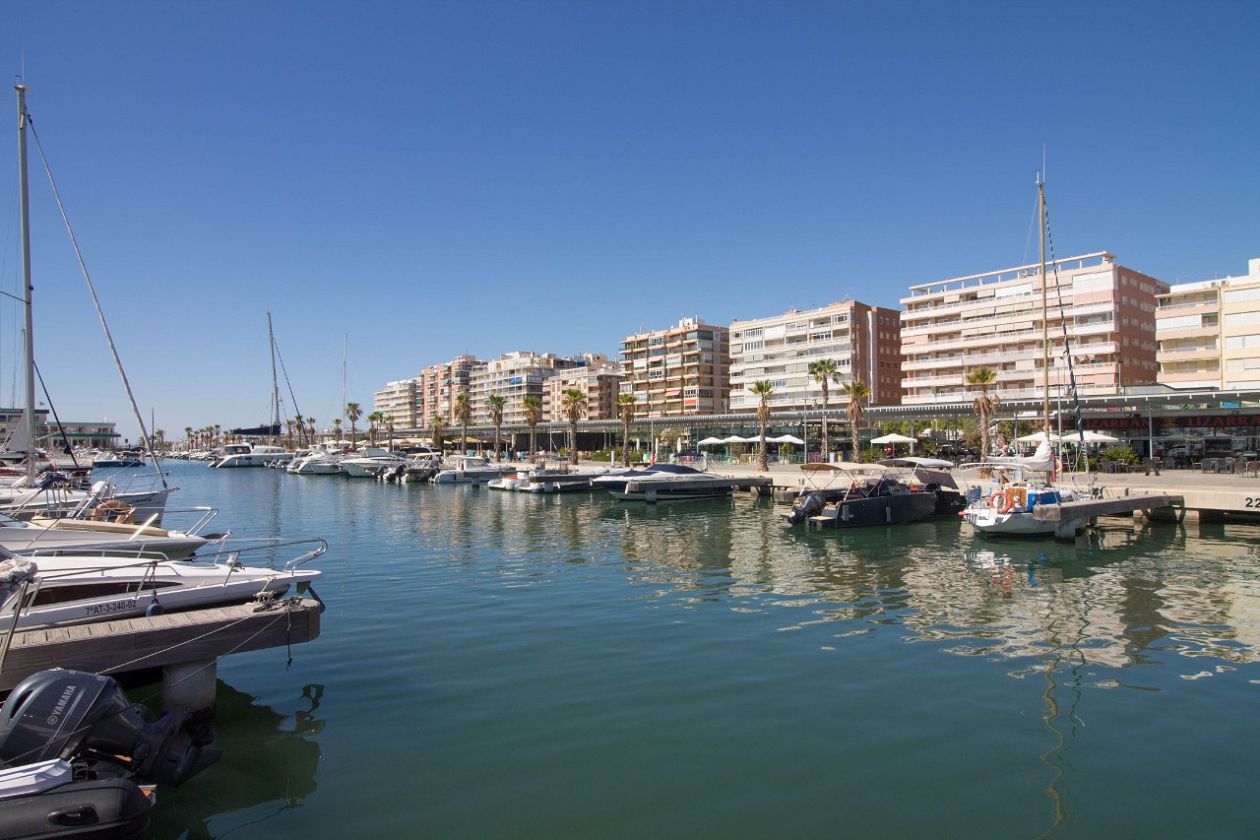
(1111, 506)
(176, 642)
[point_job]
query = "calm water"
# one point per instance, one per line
(503, 665)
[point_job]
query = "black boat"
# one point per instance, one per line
(932, 474)
(855, 495)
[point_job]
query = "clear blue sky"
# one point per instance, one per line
(439, 178)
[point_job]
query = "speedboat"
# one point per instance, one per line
(470, 469)
(258, 455)
(852, 495)
(75, 589)
(51, 495)
(663, 482)
(122, 459)
(932, 474)
(322, 460)
(1007, 506)
(80, 536)
(370, 462)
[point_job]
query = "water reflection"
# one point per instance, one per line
(269, 763)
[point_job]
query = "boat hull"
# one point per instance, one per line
(877, 510)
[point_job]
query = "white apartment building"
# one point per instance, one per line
(1209, 333)
(515, 375)
(864, 341)
(397, 401)
(994, 319)
(597, 377)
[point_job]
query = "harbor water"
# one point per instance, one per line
(508, 665)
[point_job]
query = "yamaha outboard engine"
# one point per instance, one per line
(77, 715)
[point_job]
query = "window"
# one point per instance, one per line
(1240, 295)
(1242, 319)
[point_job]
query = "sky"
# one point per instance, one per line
(400, 183)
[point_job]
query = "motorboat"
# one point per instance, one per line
(257, 455)
(370, 462)
(74, 750)
(322, 460)
(560, 480)
(76, 589)
(53, 495)
(931, 474)
(121, 460)
(87, 536)
(466, 469)
(844, 495)
(662, 483)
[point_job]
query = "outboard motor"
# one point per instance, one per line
(76, 715)
(805, 506)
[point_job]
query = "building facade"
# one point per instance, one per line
(514, 376)
(397, 401)
(681, 370)
(951, 327)
(1209, 333)
(597, 377)
(438, 386)
(864, 341)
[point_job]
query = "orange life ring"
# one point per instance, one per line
(998, 501)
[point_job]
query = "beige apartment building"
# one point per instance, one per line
(597, 377)
(515, 376)
(397, 401)
(681, 370)
(994, 320)
(437, 387)
(863, 340)
(1209, 333)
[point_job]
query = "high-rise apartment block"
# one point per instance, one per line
(397, 401)
(1209, 333)
(514, 376)
(994, 320)
(597, 377)
(438, 386)
(864, 342)
(681, 370)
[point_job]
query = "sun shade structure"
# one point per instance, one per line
(1089, 437)
(711, 441)
(1037, 437)
(893, 438)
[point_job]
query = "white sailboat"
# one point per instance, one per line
(1010, 508)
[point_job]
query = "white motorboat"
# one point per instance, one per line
(75, 589)
(370, 462)
(663, 483)
(80, 536)
(258, 455)
(323, 460)
(466, 469)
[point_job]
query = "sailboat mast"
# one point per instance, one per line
(275, 384)
(1045, 309)
(25, 214)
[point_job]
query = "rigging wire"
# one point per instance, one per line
(1067, 342)
(52, 408)
(87, 277)
(293, 397)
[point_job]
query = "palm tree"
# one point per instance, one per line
(375, 419)
(310, 424)
(497, 401)
(337, 429)
(574, 408)
(437, 424)
(985, 403)
(353, 413)
(857, 392)
(824, 371)
(188, 435)
(463, 413)
(625, 408)
(533, 416)
(762, 389)
(217, 430)
(389, 429)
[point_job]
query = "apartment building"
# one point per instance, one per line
(397, 401)
(437, 387)
(680, 370)
(951, 327)
(597, 377)
(515, 375)
(864, 341)
(1209, 332)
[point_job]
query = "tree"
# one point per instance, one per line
(574, 402)
(985, 403)
(310, 424)
(375, 419)
(625, 408)
(337, 430)
(463, 413)
(353, 413)
(389, 429)
(857, 392)
(188, 435)
(533, 416)
(436, 425)
(497, 401)
(824, 371)
(762, 389)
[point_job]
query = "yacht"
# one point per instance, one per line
(75, 536)
(663, 482)
(470, 469)
(120, 459)
(844, 495)
(245, 455)
(322, 460)
(1007, 506)
(61, 589)
(370, 462)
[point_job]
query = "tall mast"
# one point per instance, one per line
(1045, 309)
(25, 214)
(275, 385)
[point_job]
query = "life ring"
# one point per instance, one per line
(998, 502)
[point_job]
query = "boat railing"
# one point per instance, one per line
(229, 552)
